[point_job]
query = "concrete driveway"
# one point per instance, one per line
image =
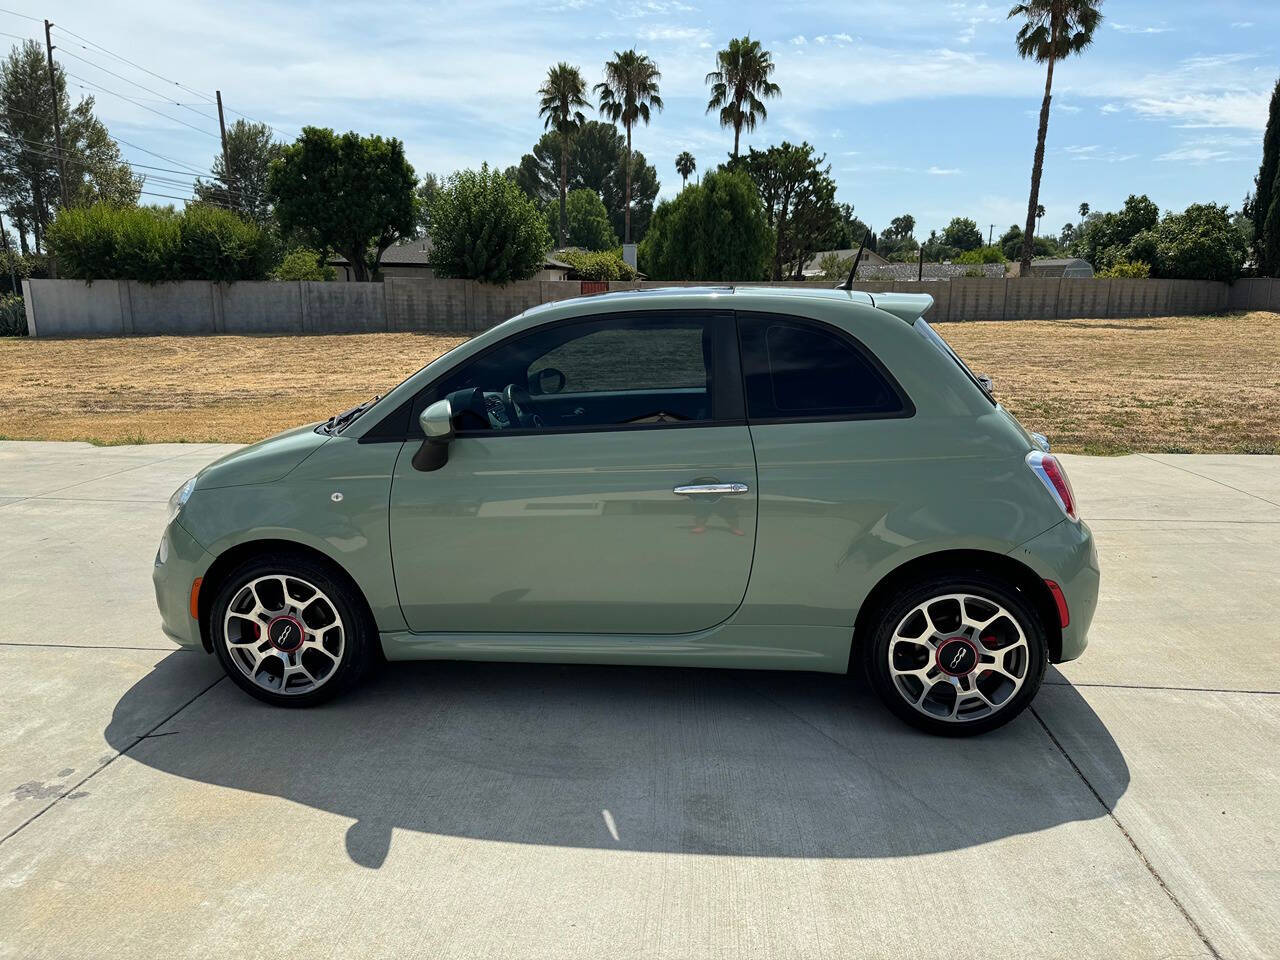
(149, 809)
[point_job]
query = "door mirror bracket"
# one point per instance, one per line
(437, 426)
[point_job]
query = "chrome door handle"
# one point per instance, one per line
(720, 489)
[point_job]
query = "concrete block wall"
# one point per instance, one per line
(73, 308)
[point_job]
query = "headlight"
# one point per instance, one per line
(179, 499)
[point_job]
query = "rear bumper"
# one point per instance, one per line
(1066, 555)
(178, 562)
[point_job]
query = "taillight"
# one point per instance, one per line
(1047, 467)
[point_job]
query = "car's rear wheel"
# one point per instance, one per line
(957, 655)
(289, 631)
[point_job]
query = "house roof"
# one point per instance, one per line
(415, 253)
(868, 257)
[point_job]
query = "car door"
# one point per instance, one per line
(600, 515)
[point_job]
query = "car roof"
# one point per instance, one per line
(907, 306)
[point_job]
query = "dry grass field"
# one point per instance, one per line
(1173, 384)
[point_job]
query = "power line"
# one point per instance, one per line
(145, 166)
(139, 103)
(205, 98)
(22, 15)
(163, 99)
(136, 66)
(81, 160)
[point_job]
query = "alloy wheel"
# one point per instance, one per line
(958, 657)
(284, 634)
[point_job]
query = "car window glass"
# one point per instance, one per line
(798, 369)
(612, 371)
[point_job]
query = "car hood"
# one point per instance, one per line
(263, 462)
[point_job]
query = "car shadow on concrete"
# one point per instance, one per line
(685, 761)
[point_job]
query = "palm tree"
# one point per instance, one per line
(1084, 214)
(628, 91)
(1039, 215)
(685, 165)
(1053, 30)
(739, 85)
(563, 93)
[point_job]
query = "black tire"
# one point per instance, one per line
(359, 633)
(875, 652)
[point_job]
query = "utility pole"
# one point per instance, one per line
(226, 160)
(991, 232)
(57, 123)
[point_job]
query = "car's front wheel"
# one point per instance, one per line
(289, 631)
(958, 655)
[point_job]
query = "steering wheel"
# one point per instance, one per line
(520, 406)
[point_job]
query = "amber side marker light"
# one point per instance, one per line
(195, 597)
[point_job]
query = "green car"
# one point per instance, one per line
(761, 478)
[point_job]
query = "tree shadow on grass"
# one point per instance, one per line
(688, 761)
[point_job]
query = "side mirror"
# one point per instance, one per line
(986, 383)
(437, 424)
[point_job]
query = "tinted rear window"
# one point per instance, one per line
(801, 370)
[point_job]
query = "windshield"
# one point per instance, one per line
(944, 348)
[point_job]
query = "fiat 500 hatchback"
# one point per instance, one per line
(749, 478)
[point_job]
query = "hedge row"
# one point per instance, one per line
(154, 244)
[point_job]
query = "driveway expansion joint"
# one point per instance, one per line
(75, 787)
(1146, 862)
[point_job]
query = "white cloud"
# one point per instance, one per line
(1132, 28)
(1198, 155)
(799, 40)
(1090, 148)
(943, 171)
(1242, 25)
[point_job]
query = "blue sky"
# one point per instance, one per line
(921, 106)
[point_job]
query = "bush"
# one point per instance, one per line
(589, 225)
(1198, 244)
(603, 265)
(303, 263)
(13, 316)
(16, 267)
(483, 227)
(988, 254)
(1127, 268)
(715, 230)
(154, 244)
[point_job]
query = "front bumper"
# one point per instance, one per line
(1065, 554)
(178, 562)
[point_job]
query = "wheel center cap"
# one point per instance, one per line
(957, 656)
(285, 633)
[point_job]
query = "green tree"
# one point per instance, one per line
(1052, 30)
(627, 95)
(1201, 243)
(30, 184)
(587, 222)
(685, 165)
(242, 185)
(740, 84)
(303, 263)
(991, 254)
(962, 234)
(1108, 238)
(1265, 206)
(850, 230)
(1010, 244)
(347, 193)
(1084, 213)
(422, 196)
(597, 162)
(483, 227)
(562, 95)
(897, 241)
(714, 230)
(799, 199)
